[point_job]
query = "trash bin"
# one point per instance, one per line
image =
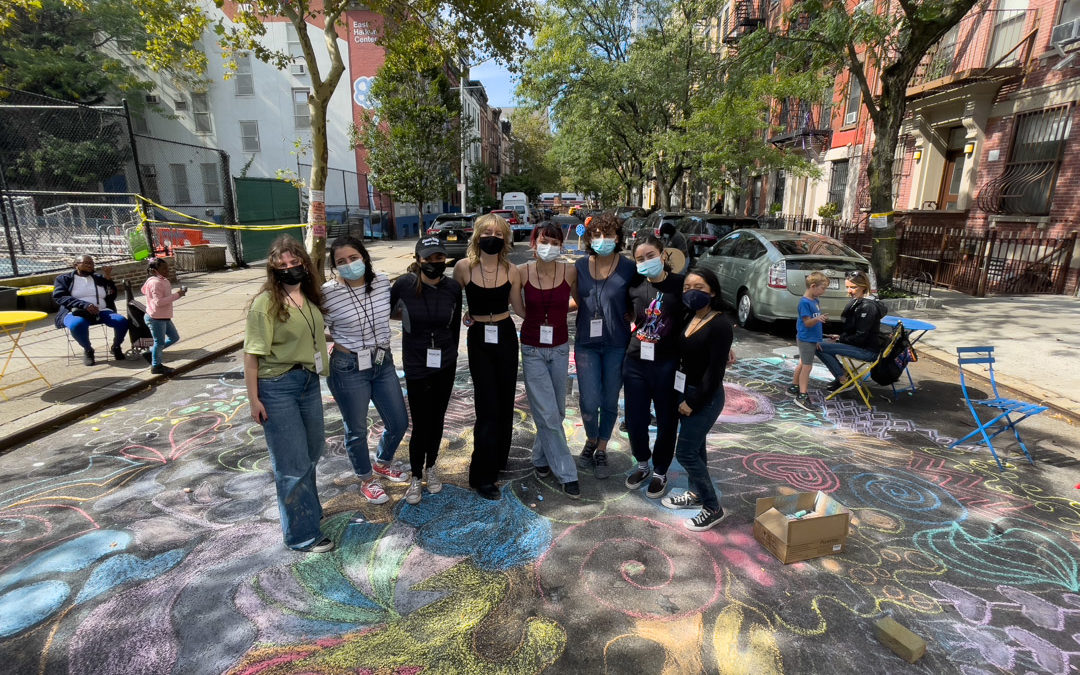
(8, 298)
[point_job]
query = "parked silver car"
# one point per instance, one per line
(762, 273)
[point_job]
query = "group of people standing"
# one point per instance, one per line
(660, 332)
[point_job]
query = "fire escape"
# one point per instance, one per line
(745, 17)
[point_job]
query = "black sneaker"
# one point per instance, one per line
(834, 385)
(704, 520)
(600, 467)
(323, 546)
(793, 390)
(585, 459)
(657, 486)
(686, 500)
(542, 471)
(572, 489)
(803, 401)
(88, 357)
(118, 353)
(162, 369)
(638, 477)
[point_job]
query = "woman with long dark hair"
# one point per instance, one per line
(428, 303)
(704, 354)
(362, 368)
(492, 286)
(651, 361)
(284, 354)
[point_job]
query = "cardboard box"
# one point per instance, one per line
(822, 531)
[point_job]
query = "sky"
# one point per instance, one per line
(497, 82)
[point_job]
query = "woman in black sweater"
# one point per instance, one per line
(705, 353)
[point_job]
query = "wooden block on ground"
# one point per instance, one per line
(906, 644)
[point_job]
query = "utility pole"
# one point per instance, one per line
(464, 185)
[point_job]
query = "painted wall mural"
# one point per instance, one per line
(149, 543)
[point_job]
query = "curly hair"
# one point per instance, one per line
(607, 224)
(278, 306)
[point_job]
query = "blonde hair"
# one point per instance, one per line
(816, 279)
(479, 227)
(861, 280)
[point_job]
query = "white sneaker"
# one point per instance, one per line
(414, 492)
(434, 483)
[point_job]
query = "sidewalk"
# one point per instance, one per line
(210, 321)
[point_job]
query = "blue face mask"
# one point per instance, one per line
(603, 246)
(696, 300)
(651, 268)
(353, 271)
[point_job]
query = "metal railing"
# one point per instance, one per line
(981, 43)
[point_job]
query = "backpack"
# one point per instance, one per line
(892, 363)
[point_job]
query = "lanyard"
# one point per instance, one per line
(360, 305)
(598, 288)
(546, 299)
(483, 280)
(309, 323)
(435, 290)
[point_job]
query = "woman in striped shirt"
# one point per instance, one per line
(361, 365)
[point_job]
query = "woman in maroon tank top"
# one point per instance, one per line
(548, 284)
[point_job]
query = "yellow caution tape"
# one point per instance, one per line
(205, 223)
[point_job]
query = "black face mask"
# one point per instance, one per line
(291, 276)
(433, 270)
(492, 245)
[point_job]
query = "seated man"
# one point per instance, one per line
(86, 298)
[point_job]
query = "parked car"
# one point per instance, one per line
(454, 229)
(652, 223)
(762, 273)
(518, 225)
(702, 230)
(624, 212)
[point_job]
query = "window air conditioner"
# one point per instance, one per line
(298, 69)
(180, 105)
(1065, 33)
(851, 118)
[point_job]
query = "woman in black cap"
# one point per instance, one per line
(429, 307)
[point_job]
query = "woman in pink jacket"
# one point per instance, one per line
(159, 311)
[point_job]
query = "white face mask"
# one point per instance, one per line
(547, 252)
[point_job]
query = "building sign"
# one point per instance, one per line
(363, 32)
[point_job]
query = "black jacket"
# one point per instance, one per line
(62, 295)
(862, 323)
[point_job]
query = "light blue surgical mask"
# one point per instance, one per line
(353, 271)
(651, 268)
(603, 246)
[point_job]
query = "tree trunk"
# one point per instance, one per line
(887, 123)
(316, 235)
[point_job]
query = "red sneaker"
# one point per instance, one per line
(390, 473)
(374, 492)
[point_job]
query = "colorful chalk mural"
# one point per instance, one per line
(150, 544)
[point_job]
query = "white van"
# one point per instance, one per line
(519, 202)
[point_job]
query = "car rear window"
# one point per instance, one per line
(812, 247)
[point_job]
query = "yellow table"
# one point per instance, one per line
(36, 298)
(13, 323)
(35, 290)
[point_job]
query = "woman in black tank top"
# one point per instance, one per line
(492, 285)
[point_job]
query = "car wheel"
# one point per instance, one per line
(744, 311)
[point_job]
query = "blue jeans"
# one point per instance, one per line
(80, 328)
(690, 448)
(544, 369)
(599, 376)
(165, 335)
(651, 384)
(354, 389)
(831, 350)
(294, 438)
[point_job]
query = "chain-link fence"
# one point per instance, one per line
(66, 182)
(352, 204)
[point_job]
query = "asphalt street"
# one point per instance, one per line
(145, 539)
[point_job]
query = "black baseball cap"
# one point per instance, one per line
(428, 246)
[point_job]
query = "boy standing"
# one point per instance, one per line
(808, 335)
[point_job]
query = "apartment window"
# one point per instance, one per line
(838, 183)
(301, 111)
(210, 184)
(1008, 30)
(148, 173)
(200, 110)
(1070, 9)
(293, 39)
(245, 84)
(181, 192)
(854, 101)
(249, 135)
(1034, 161)
(138, 124)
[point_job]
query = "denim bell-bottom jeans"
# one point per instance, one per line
(295, 440)
(544, 369)
(354, 390)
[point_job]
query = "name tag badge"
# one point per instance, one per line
(491, 334)
(596, 328)
(648, 351)
(680, 381)
(434, 358)
(547, 335)
(318, 362)
(363, 359)
(380, 354)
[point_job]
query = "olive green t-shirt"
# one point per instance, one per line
(281, 345)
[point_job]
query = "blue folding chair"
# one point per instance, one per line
(1003, 406)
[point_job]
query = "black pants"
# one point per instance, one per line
(428, 398)
(494, 369)
(646, 382)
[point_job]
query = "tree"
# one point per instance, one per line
(411, 134)
(531, 170)
(457, 27)
(479, 192)
(889, 41)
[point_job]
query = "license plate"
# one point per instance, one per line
(451, 237)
